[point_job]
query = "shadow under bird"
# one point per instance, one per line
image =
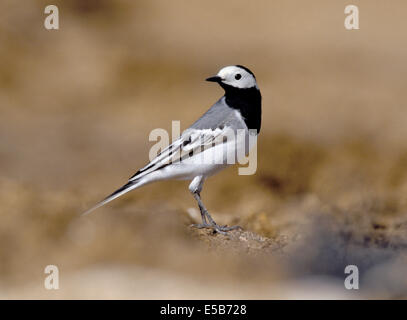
(238, 110)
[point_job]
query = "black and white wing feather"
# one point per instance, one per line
(191, 143)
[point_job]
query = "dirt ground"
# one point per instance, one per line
(77, 106)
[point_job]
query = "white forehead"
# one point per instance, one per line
(228, 75)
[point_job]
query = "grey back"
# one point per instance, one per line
(220, 114)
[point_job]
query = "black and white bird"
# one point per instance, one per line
(238, 110)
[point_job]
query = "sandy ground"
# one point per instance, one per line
(77, 106)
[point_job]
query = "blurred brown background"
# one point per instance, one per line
(77, 106)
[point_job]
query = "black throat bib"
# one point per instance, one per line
(248, 102)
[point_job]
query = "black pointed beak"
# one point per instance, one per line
(214, 79)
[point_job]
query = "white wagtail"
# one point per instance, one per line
(238, 109)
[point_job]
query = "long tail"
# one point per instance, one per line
(131, 185)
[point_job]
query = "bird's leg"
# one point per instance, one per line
(212, 224)
(195, 187)
(207, 221)
(203, 211)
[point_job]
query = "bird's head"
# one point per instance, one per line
(236, 77)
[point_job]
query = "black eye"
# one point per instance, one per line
(238, 76)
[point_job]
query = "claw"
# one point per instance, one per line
(200, 225)
(226, 228)
(216, 228)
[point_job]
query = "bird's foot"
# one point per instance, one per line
(200, 225)
(226, 228)
(216, 228)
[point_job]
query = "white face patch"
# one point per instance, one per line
(237, 77)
